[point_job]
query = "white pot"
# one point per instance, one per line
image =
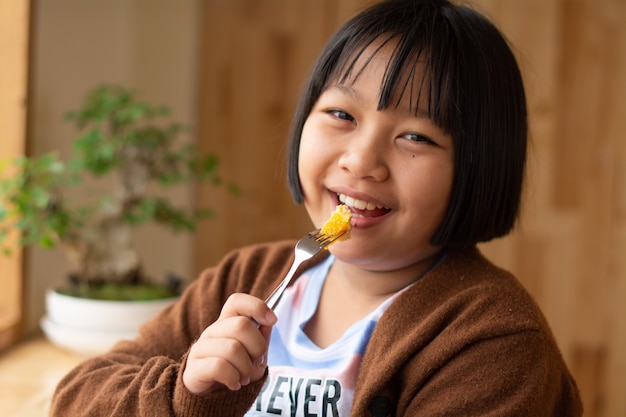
(90, 327)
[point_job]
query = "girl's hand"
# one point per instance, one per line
(232, 351)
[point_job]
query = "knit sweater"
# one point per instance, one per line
(464, 340)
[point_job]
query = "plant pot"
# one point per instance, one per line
(89, 327)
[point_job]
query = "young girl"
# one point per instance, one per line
(414, 117)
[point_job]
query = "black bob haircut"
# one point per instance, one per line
(475, 93)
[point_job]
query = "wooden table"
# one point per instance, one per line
(29, 372)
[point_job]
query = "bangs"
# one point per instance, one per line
(417, 69)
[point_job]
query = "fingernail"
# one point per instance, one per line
(260, 361)
(270, 316)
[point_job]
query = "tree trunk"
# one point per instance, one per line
(105, 253)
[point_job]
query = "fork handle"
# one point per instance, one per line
(273, 298)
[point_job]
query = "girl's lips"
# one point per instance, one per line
(376, 212)
(361, 222)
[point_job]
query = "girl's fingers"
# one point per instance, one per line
(216, 362)
(231, 351)
(248, 306)
(252, 340)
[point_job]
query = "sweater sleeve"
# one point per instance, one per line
(143, 377)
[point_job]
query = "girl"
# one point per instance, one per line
(414, 117)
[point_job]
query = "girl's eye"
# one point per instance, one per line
(340, 114)
(416, 137)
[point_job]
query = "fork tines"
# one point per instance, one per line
(323, 238)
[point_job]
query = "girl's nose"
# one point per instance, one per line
(364, 159)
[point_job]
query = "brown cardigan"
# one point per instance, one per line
(465, 340)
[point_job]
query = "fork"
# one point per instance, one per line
(308, 246)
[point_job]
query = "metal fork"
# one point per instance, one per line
(308, 246)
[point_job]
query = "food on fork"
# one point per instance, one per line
(339, 223)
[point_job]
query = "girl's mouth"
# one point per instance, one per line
(363, 208)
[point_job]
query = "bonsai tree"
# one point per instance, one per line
(123, 150)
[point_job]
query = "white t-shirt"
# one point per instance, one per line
(304, 379)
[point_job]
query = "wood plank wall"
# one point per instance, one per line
(14, 36)
(255, 57)
(570, 248)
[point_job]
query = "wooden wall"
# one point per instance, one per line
(570, 248)
(255, 56)
(14, 41)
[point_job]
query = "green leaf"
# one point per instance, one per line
(204, 213)
(234, 189)
(39, 197)
(46, 242)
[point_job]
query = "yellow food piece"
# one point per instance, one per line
(339, 223)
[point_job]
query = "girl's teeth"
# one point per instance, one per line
(359, 204)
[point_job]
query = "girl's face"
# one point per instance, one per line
(393, 168)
